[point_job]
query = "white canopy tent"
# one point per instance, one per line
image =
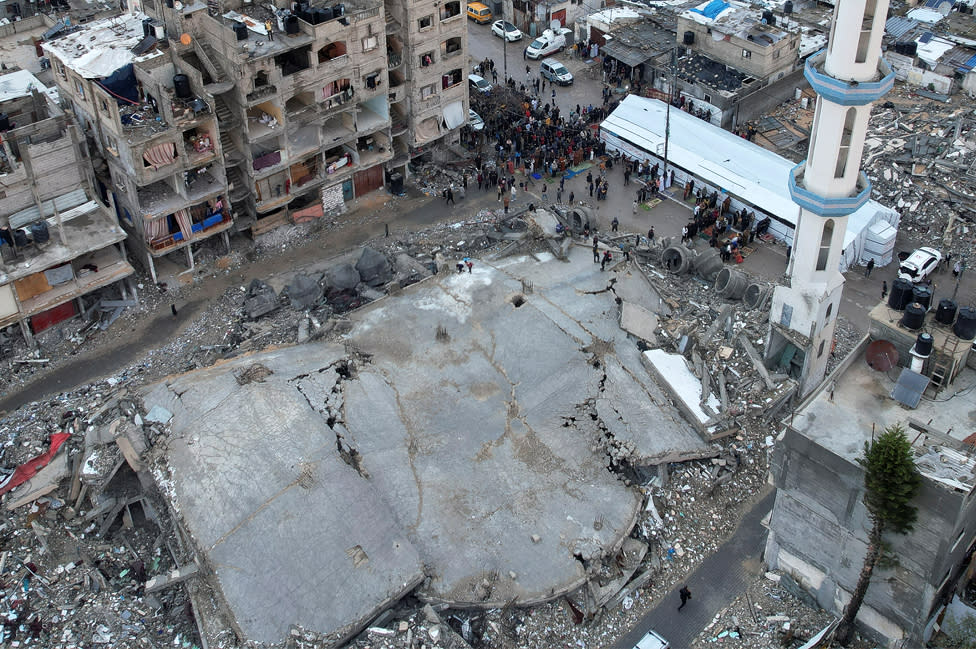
(718, 160)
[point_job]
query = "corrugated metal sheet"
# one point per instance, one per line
(935, 4)
(961, 58)
(898, 26)
(63, 203)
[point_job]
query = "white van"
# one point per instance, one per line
(548, 43)
(556, 72)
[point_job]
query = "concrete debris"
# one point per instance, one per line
(260, 299)
(374, 268)
(303, 291)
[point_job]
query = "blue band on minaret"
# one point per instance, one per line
(827, 207)
(846, 93)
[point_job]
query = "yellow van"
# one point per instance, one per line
(479, 13)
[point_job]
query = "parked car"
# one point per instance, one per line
(506, 30)
(556, 72)
(919, 265)
(479, 84)
(475, 121)
(652, 640)
(548, 43)
(479, 13)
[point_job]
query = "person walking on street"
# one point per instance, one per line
(596, 250)
(884, 289)
(544, 194)
(613, 224)
(869, 267)
(506, 201)
(450, 197)
(650, 234)
(607, 258)
(572, 198)
(956, 269)
(685, 596)
(591, 189)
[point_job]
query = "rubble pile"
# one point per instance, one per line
(78, 558)
(773, 613)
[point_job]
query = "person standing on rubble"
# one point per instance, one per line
(596, 250)
(607, 258)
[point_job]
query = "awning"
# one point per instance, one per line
(62, 203)
(426, 130)
(454, 114)
(626, 55)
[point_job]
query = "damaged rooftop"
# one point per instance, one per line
(366, 446)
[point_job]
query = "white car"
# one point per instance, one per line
(556, 72)
(475, 121)
(479, 84)
(919, 265)
(652, 640)
(506, 30)
(548, 43)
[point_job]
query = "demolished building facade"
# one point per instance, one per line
(60, 241)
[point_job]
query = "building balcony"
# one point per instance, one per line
(260, 93)
(823, 206)
(393, 60)
(847, 92)
(210, 226)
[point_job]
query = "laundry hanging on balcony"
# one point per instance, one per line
(160, 155)
(185, 223)
(454, 114)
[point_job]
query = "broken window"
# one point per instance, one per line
(452, 78)
(450, 9)
(80, 88)
(332, 51)
(260, 79)
(294, 61)
(370, 43)
(746, 54)
(427, 91)
(425, 23)
(825, 238)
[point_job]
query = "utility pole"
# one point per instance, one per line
(667, 110)
(504, 52)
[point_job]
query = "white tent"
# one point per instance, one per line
(718, 160)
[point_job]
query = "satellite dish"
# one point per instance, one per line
(554, 24)
(881, 355)
(186, 39)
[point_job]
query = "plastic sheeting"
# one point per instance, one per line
(712, 9)
(122, 83)
(454, 114)
(427, 130)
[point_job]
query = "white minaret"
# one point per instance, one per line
(828, 186)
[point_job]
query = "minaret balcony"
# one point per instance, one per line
(847, 92)
(823, 206)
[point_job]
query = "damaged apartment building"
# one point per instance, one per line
(738, 61)
(58, 240)
(210, 124)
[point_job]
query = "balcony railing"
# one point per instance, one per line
(204, 228)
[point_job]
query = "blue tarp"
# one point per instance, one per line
(122, 83)
(712, 9)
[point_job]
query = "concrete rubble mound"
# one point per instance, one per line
(343, 277)
(374, 268)
(303, 291)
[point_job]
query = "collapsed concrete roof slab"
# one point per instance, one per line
(455, 427)
(284, 523)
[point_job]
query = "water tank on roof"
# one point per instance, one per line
(291, 24)
(965, 326)
(788, 7)
(147, 28)
(689, 38)
(20, 238)
(901, 294)
(325, 14)
(182, 84)
(923, 344)
(339, 10)
(946, 312)
(922, 295)
(4, 122)
(914, 316)
(769, 18)
(39, 232)
(241, 30)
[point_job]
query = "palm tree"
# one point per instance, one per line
(891, 482)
